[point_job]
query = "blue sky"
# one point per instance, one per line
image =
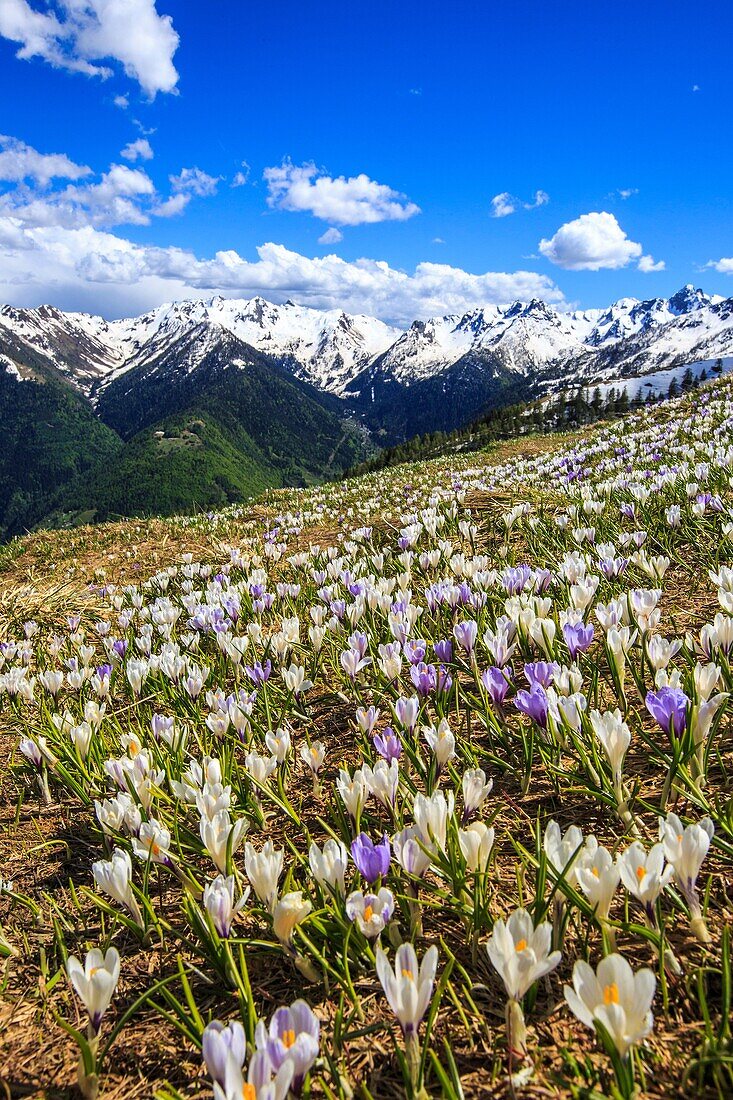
(601, 135)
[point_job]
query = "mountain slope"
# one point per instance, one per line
(51, 438)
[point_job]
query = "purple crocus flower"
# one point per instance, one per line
(668, 707)
(387, 744)
(541, 672)
(444, 650)
(496, 683)
(294, 1034)
(259, 673)
(465, 634)
(424, 677)
(444, 680)
(415, 649)
(372, 860)
(534, 703)
(578, 637)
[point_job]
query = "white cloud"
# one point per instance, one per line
(192, 181)
(19, 162)
(138, 150)
(696, 87)
(242, 176)
(87, 32)
(122, 195)
(88, 268)
(504, 204)
(355, 201)
(589, 243)
(121, 101)
(724, 265)
(438, 240)
(647, 264)
(627, 192)
(331, 236)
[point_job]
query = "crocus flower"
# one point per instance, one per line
(578, 638)
(598, 876)
(409, 986)
(644, 874)
(496, 681)
(372, 912)
(685, 847)
(95, 982)
(290, 911)
(668, 707)
(328, 866)
(372, 860)
(219, 1043)
(465, 634)
(614, 996)
(219, 903)
(409, 852)
(533, 703)
(520, 953)
(387, 744)
(475, 789)
(294, 1036)
(263, 869)
(541, 672)
(563, 850)
(442, 742)
(114, 877)
(476, 843)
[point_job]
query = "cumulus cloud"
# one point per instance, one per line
(89, 268)
(724, 265)
(46, 189)
(504, 204)
(331, 236)
(19, 162)
(647, 264)
(137, 150)
(357, 200)
(242, 175)
(192, 181)
(589, 243)
(627, 192)
(85, 33)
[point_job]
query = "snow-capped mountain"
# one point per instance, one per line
(454, 367)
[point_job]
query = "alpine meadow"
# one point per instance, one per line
(366, 551)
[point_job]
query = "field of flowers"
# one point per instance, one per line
(415, 786)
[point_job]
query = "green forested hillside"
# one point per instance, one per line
(50, 437)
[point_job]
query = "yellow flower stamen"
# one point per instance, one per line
(288, 1038)
(409, 975)
(521, 945)
(248, 1091)
(640, 873)
(596, 872)
(610, 994)
(368, 912)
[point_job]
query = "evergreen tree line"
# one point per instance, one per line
(565, 411)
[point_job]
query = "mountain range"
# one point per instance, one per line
(197, 403)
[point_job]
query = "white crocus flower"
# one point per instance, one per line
(475, 789)
(114, 877)
(562, 850)
(619, 999)
(598, 876)
(95, 981)
(354, 791)
(263, 869)
(383, 781)
(219, 834)
(328, 866)
(476, 843)
(685, 847)
(152, 842)
(219, 903)
(520, 953)
(289, 911)
(409, 986)
(644, 874)
(431, 815)
(442, 742)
